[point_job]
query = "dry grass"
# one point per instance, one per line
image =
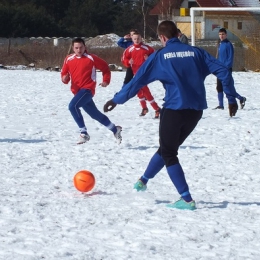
(49, 56)
(111, 55)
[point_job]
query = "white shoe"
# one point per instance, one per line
(83, 138)
(118, 134)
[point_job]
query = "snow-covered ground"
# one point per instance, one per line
(42, 215)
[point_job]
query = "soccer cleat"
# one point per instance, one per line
(219, 107)
(144, 112)
(118, 134)
(157, 113)
(242, 102)
(182, 204)
(140, 186)
(83, 138)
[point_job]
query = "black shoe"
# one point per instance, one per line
(144, 112)
(219, 107)
(242, 102)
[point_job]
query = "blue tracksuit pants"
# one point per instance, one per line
(83, 99)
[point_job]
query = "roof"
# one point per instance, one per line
(228, 3)
(166, 6)
(212, 3)
(248, 3)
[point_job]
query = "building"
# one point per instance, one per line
(239, 24)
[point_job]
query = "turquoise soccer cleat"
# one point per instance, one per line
(182, 204)
(140, 186)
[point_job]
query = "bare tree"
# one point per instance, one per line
(144, 7)
(166, 8)
(144, 18)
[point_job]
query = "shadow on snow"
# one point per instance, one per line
(11, 140)
(224, 204)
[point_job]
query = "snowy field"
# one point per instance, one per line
(42, 215)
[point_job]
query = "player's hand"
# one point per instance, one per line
(232, 109)
(110, 105)
(103, 84)
(127, 36)
(66, 78)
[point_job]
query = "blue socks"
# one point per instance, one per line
(175, 173)
(178, 179)
(144, 180)
(155, 165)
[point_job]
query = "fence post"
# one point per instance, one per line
(9, 47)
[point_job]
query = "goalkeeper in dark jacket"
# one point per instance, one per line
(182, 70)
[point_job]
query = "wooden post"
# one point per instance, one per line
(9, 47)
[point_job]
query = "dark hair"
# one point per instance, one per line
(136, 33)
(179, 31)
(78, 40)
(133, 30)
(222, 30)
(168, 29)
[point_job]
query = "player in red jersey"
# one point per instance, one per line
(80, 67)
(134, 56)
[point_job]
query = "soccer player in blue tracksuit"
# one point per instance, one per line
(225, 54)
(182, 70)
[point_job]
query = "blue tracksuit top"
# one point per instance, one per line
(226, 53)
(123, 43)
(184, 89)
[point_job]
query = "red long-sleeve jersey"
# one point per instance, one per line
(136, 53)
(82, 71)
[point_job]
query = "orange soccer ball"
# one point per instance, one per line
(84, 181)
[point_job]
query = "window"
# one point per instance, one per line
(225, 24)
(239, 25)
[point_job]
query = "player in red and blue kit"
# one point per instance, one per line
(125, 42)
(134, 56)
(80, 67)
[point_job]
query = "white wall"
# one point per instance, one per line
(212, 25)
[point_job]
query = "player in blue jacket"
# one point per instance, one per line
(225, 54)
(182, 70)
(126, 41)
